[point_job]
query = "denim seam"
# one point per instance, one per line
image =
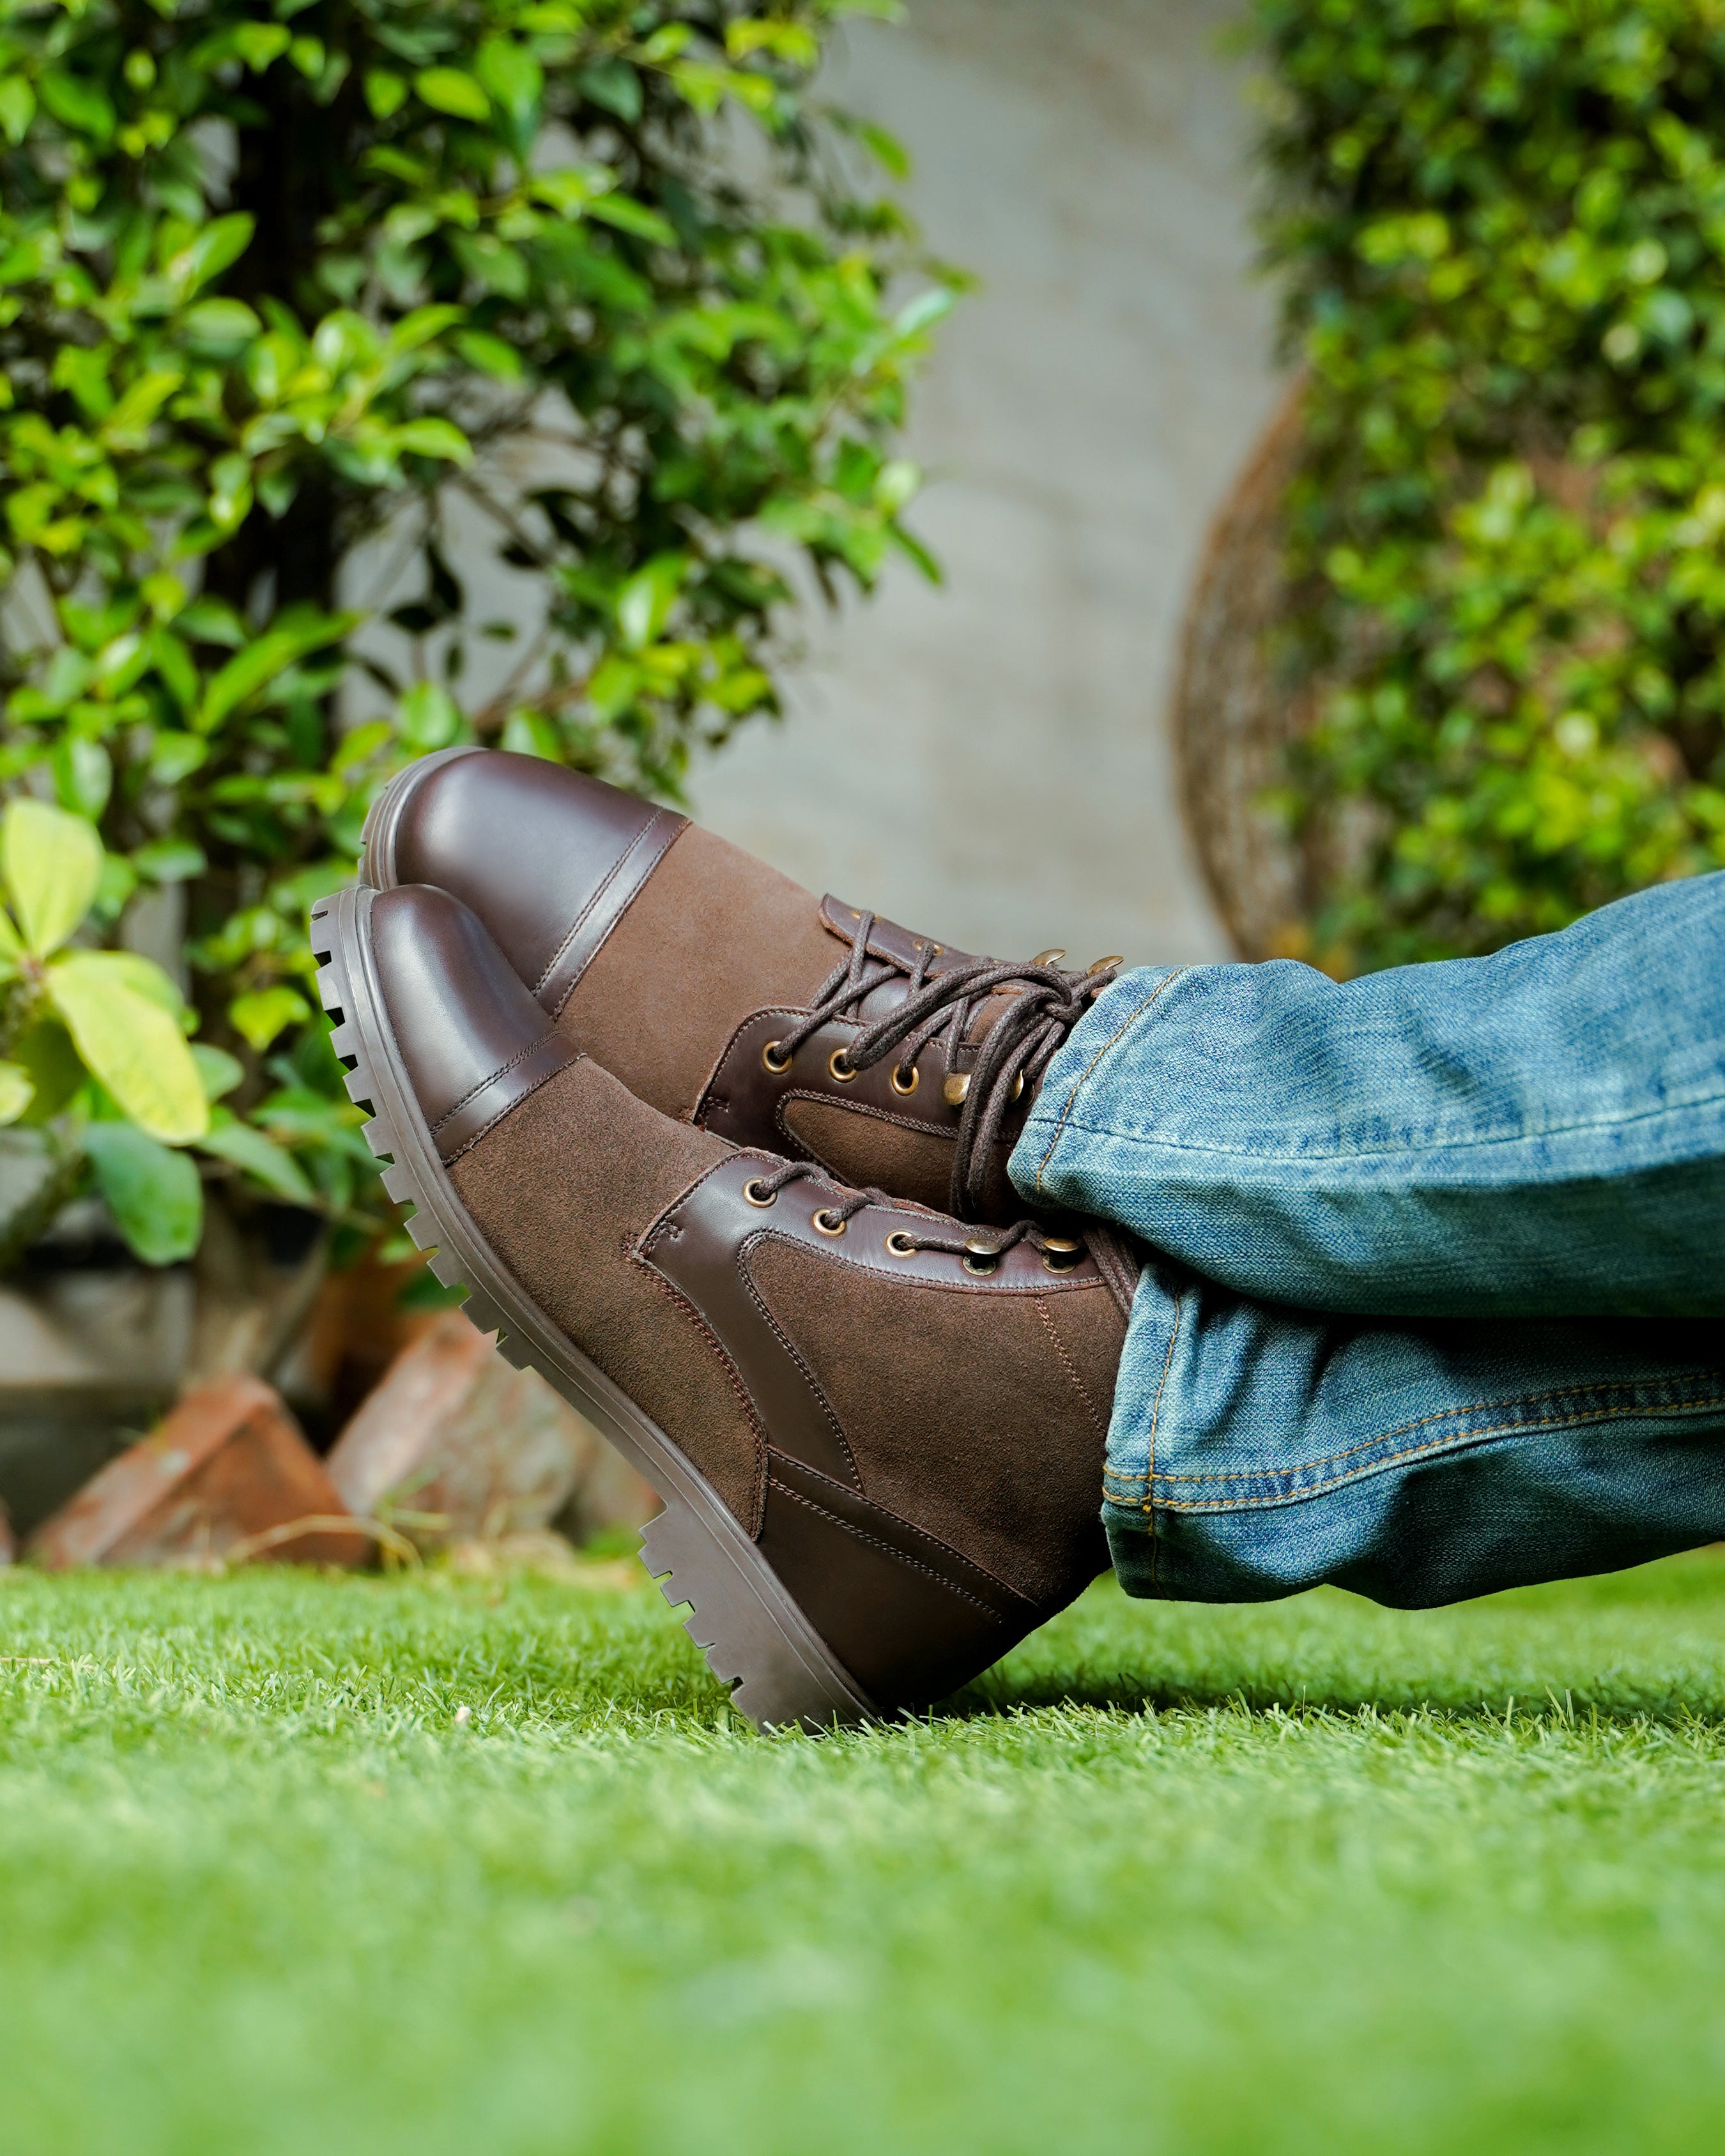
(1403, 1430)
(1082, 1079)
(1425, 1144)
(1167, 1363)
(1151, 1503)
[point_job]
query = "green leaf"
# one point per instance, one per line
(153, 1193)
(77, 105)
(132, 971)
(490, 354)
(256, 667)
(170, 860)
(262, 1159)
(427, 717)
(83, 775)
(51, 864)
(51, 1063)
(386, 93)
(631, 216)
(18, 1089)
(433, 437)
(614, 86)
(132, 1044)
(644, 602)
(217, 1071)
(18, 108)
(261, 1016)
(221, 242)
(221, 323)
(447, 90)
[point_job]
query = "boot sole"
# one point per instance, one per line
(752, 1634)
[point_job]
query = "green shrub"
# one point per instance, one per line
(1500, 224)
(275, 277)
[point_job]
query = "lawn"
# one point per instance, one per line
(290, 1863)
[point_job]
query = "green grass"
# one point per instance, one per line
(308, 1865)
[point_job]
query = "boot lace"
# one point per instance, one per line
(1045, 1003)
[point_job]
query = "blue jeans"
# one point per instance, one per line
(1435, 1297)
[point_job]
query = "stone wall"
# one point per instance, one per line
(991, 762)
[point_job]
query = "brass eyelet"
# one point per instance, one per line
(981, 1258)
(827, 1221)
(899, 1086)
(773, 1061)
(1059, 1253)
(901, 1245)
(839, 1065)
(757, 1194)
(1113, 959)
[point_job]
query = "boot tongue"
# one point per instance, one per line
(886, 939)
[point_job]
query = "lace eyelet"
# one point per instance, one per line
(827, 1221)
(840, 1065)
(771, 1060)
(899, 1086)
(754, 1190)
(901, 1245)
(1059, 1253)
(981, 1258)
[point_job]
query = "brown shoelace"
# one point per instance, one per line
(1117, 1258)
(1047, 1002)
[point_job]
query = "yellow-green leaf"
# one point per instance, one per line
(447, 90)
(132, 1044)
(17, 1091)
(259, 1017)
(131, 970)
(51, 863)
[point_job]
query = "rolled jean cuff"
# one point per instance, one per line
(1256, 1451)
(1048, 1165)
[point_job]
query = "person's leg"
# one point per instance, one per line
(1541, 1133)
(1255, 1450)
(1485, 1156)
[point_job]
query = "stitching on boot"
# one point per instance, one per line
(750, 1416)
(914, 1564)
(779, 1333)
(503, 1070)
(508, 1108)
(1071, 1368)
(922, 1534)
(580, 920)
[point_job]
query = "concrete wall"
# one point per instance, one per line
(989, 762)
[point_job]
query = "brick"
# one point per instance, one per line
(456, 1445)
(221, 1478)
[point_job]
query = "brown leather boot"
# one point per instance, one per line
(723, 993)
(878, 1434)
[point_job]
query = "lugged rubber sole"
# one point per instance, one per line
(752, 1634)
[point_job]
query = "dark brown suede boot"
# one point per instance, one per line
(879, 1435)
(723, 993)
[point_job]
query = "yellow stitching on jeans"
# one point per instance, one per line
(1440, 1415)
(1437, 1146)
(1166, 980)
(1167, 1363)
(1395, 1460)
